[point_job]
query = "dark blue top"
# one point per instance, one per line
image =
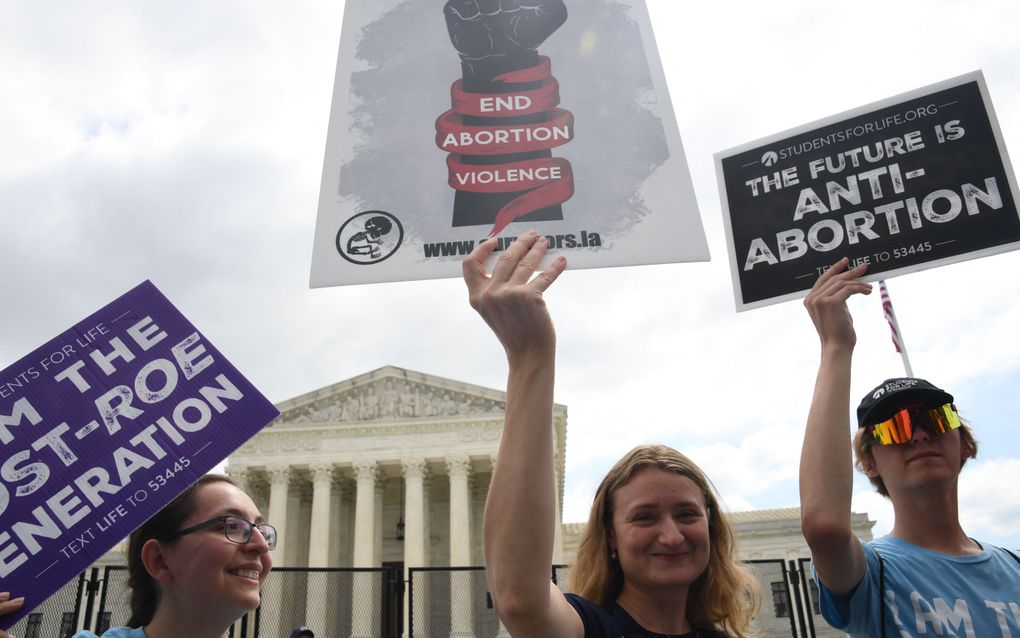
(613, 621)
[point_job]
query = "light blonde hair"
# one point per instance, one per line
(724, 597)
(863, 456)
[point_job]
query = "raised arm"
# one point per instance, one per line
(520, 509)
(826, 461)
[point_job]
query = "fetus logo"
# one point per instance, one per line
(369, 237)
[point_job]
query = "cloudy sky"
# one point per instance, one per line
(183, 142)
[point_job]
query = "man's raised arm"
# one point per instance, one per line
(826, 462)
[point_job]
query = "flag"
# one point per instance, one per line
(890, 316)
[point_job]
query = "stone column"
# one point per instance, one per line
(279, 484)
(319, 535)
(297, 522)
(459, 470)
(423, 603)
(318, 544)
(365, 473)
(461, 603)
(380, 492)
(339, 524)
(415, 542)
(364, 549)
(414, 513)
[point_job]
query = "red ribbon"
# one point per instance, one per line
(529, 102)
(490, 139)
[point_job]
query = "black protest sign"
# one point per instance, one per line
(913, 182)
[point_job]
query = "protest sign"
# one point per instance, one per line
(915, 181)
(450, 125)
(101, 427)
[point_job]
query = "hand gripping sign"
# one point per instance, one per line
(101, 427)
(504, 117)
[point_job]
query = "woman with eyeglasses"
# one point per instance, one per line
(195, 567)
(657, 556)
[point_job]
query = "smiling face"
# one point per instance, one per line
(660, 530)
(208, 574)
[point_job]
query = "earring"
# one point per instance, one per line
(612, 555)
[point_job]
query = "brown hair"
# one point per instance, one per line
(144, 590)
(863, 456)
(724, 596)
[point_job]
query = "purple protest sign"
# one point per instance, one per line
(101, 427)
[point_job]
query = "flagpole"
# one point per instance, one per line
(894, 327)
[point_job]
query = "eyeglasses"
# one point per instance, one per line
(236, 529)
(899, 428)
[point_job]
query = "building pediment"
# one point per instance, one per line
(390, 394)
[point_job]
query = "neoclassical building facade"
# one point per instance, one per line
(388, 467)
(392, 468)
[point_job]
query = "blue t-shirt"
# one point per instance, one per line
(929, 593)
(114, 632)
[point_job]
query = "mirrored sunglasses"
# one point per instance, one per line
(900, 427)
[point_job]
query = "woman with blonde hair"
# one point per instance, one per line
(657, 556)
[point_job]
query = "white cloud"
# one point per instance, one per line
(990, 502)
(877, 507)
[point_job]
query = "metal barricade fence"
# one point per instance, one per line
(561, 576)
(816, 623)
(114, 608)
(333, 601)
(441, 601)
(434, 606)
(446, 601)
(336, 601)
(58, 616)
(777, 616)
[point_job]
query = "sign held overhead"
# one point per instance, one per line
(915, 181)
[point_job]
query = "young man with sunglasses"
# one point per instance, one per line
(927, 577)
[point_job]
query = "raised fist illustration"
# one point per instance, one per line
(505, 121)
(483, 28)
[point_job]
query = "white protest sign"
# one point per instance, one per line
(450, 125)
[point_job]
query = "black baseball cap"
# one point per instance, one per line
(892, 394)
(301, 631)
